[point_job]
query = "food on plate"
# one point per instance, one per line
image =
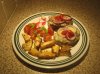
(27, 46)
(60, 20)
(55, 49)
(47, 44)
(69, 34)
(48, 39)
(37, 42)
(47, 54)
(65, 50)
(26, 37)
(34, 52)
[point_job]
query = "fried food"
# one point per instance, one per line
(34, 52)
(37, 41)
(47, 44)
(27, 46)
(65, 50)
(47, 54)
(55, 49)
(26, 37)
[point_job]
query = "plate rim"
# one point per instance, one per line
(50, 67)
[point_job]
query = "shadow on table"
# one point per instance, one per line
(52, 70)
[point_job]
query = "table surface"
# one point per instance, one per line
(85, 11)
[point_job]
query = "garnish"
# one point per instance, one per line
(43, 28)
(33, 25)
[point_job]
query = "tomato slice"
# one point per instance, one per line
(27, 29)
(50, 30)
(70, 35)
(64, 32)
(38, 31)
(31, 32)
(59, 17)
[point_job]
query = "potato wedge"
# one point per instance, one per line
(27, 46)
(46, 50)
(56, 49)
(34, 52)
(47, 54)
(26, 37)
(37, 41)
(47, 44)
(33, 45)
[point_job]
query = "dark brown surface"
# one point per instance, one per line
(6, 10)
(87, 11)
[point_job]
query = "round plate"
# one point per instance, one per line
(78, 51)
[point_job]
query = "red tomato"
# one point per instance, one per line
(38, 30)
(37, 25)
(50, 30)
(64, 32)
(34, 26)
(42, 33)
(58, 18)
(43, 23)
(69, 34)
(27, 29)
(31, 32)
(47, 37)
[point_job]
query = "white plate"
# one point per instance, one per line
(78, 51)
